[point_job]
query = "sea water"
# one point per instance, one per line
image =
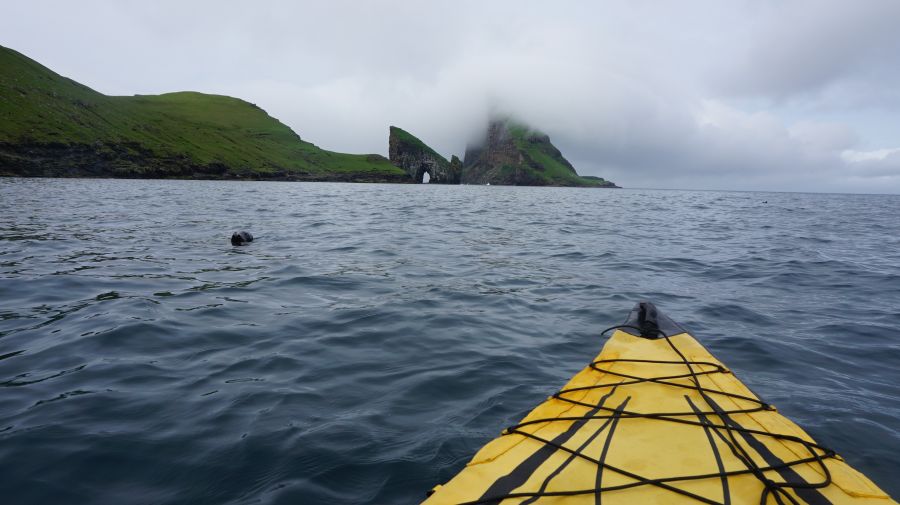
(373, 337)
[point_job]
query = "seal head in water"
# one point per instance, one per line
(241, 238)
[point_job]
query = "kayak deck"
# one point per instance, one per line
(656, 420)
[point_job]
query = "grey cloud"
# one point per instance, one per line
(886, 168)
(809, 47)
(706, 94)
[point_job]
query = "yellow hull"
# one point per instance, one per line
(634, 428)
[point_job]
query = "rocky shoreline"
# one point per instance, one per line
(84, 161)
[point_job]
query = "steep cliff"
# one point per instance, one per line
(415, 157)
(54, 126)
(516, 155)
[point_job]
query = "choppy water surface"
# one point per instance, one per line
(375, 336)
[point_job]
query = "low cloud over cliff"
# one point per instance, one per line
(795, 95)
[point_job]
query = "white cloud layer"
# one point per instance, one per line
(781, 95)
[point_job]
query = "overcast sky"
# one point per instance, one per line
(795, 95)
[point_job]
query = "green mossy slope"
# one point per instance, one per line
(515, 154)
(411, 141)
(53, 126)
(542, 156)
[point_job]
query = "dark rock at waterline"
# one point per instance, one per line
(241, 238)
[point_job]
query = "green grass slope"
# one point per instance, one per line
(410, 141)
(545, 160)
(512, 153)
(53, 126)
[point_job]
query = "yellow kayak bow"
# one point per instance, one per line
(656, 419)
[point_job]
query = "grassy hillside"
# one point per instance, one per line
(512, 153)
(546, 160)
(52, 125)
(413, 142)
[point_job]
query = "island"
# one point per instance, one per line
(53, 126)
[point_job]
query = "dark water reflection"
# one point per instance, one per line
(375, 336)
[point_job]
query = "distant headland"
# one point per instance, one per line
(52, 126)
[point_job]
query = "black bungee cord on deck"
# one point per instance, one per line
(727, 432)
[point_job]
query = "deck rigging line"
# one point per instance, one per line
(738, 439)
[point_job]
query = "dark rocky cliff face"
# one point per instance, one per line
(513, 154)
(456, 168)
(497, 160)
(416, 158)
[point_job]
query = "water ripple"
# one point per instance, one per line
(373, 337)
